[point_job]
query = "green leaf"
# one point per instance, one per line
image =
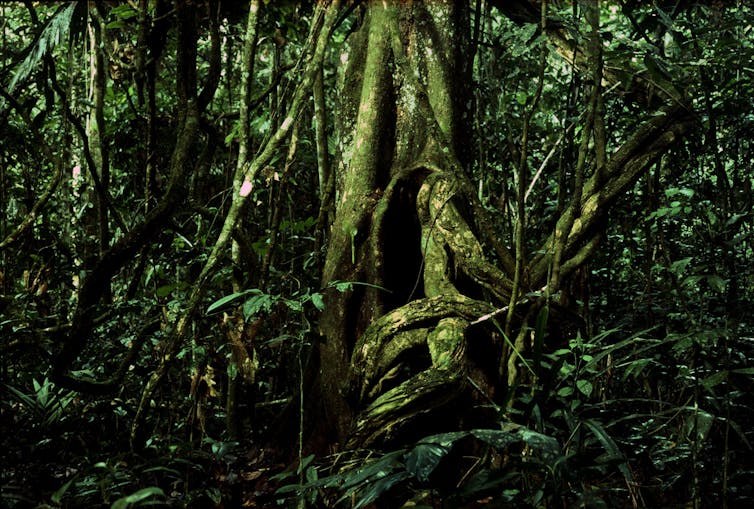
(655, 68)
(674, 191)
(635, 367)
(261, 302)
(123, 11)
(55, 31)
(280, 339)
(715, 379)
(230, 298)
(293, 304)
(422, 459)
(318, 302)
(234, 130)
(288, 488)
(42, 393)
(716, 283)
(445, 439)
(298, 226)
(511, 433)
(498, 439)
(701, 422)
(610, 447)
(711, 217)
(678, 266)
(691, 281)
(375, 470)
(166, 290)
(57, 497)
(305, 461)
(374, 490)
(135, 498)
(167, 470)
(21, 397)
(341, 286)
(232, 370)
(117, 24)
(734, 219)
(311, 475)
(585, 387)
(666, 20)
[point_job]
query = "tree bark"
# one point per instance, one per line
(418, 321)
(402, 225)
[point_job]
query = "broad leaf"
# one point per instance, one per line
(422, 460)
(230, 298)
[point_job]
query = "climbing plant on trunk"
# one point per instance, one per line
(428, 323)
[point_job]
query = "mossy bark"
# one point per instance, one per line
(398, 227)
(421, 330)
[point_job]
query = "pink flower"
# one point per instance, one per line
(246, 187)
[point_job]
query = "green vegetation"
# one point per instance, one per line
(376, 254)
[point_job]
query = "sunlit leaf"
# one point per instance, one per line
(230, 298)
(318, 302)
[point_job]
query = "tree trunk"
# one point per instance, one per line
(396, 347)
(417, 328)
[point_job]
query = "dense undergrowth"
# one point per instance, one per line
(653, 418)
